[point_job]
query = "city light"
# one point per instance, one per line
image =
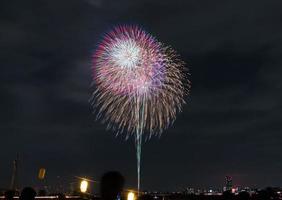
(41, 173)
(233, 190)
(83, 186)
(130, 196)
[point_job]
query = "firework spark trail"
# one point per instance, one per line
(140, 84)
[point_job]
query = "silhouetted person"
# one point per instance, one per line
(243, 196)
(9, 194)
(227, 195)
(111, 185)
(28, 193)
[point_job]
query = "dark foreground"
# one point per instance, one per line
(172, 197)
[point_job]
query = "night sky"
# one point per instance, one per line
(231, 124)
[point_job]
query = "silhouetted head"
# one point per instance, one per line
(227, 195)
(243, 196)
(111, 185)
(9, 194)
(28, 193)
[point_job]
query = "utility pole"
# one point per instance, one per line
(14, 180)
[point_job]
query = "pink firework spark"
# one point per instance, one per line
(128, 61)
(133, 71)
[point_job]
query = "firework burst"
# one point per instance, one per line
(140, 84)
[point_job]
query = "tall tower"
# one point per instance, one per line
(14, 180)
(228, 183)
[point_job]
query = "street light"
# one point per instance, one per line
(83, 186)
(130, 196)
(41, 173)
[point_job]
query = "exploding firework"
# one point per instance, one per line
(140, 84)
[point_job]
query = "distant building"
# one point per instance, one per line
(228, 183)
(190, 190)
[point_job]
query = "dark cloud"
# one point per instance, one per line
(230, 125)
